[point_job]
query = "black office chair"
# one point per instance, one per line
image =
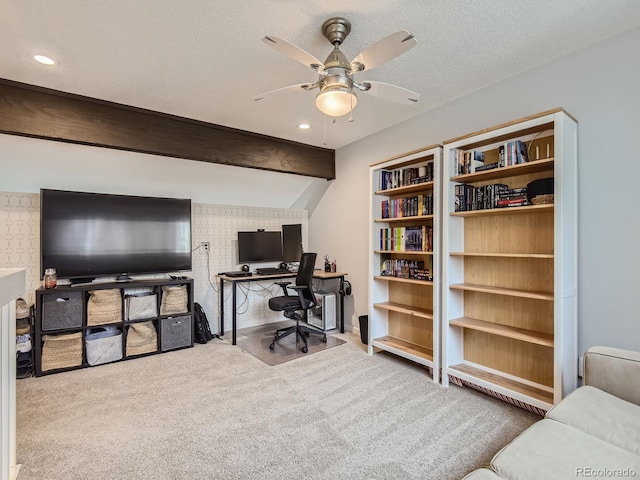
(291, 305)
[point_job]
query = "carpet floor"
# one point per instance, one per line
(216, 412)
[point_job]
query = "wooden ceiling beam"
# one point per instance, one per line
(32, 111)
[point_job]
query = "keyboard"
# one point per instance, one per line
(272, 271)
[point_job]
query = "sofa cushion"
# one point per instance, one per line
(602, 415)
(482, 474)
(551, 450)
(613, 370)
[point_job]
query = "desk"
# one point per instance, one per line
(320, 275)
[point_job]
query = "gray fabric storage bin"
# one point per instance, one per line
(61, 310)
(141, 305)
(103, 345)
(175, 332)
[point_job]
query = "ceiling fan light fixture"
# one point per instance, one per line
(336, 101)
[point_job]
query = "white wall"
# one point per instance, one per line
(598, 86)
(28, 164)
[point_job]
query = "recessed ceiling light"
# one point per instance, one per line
(304, 126)
(44, 60)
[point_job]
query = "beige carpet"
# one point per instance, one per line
(216, 412)
(256, 341)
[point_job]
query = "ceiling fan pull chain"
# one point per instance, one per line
(351, 111)
(324, 118)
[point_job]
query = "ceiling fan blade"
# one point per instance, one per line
(384, 50)
(391, 93)
(291, 51)
(290, 88)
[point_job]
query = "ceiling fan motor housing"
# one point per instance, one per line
(336, 30)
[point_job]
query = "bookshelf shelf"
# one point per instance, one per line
(539, 396)
(389, 278)
(535, 166)
(516, 333)
(418, 187)
(505, 211)
(509, 321)
(404, 312)
(512, 292)
(402, 348)
(402, 252)
(501, 255)
(406, 309)
(415, 218)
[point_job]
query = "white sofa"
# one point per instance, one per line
(592, 433)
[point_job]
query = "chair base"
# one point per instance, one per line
(301, 331)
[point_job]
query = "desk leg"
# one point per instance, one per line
(221, 307)
(341, 304)
(233, 315)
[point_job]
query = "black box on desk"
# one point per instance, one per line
(61, 310)
(175, 332)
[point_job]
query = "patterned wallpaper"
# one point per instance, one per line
(216, 224)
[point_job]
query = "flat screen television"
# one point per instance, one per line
(260, 246)
(291, 243)
(84, 235)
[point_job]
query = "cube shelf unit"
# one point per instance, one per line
(404, 310)
(172, 331)
(509, 305)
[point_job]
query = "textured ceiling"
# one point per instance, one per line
(203, 59)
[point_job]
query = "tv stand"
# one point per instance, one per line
(62, 316)
(123, 278)
(82, 280)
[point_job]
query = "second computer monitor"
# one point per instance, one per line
(291, 243)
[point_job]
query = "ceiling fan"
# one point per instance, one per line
(336, 83)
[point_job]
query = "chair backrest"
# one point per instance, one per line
(305, 275)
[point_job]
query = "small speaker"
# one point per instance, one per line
(245, 268)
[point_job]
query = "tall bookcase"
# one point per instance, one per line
(510, 274)
(405, 266)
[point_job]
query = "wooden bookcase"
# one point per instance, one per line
(509, 307)
(404, 270)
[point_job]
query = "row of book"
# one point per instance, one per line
(466, 162)
(514, 152)
(407, 206)
(407, 239)
(414, 269)
(402, 177)
(497, 195)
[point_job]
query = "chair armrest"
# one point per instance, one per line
(284, 286)
(614, 371)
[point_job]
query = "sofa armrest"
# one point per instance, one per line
(614, 371)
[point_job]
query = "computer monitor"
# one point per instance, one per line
(259, 246)
(291, 243)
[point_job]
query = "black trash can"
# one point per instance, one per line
(364, 328)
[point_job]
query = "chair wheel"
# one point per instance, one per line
(324, 339)
(305, 349)
(272, 346)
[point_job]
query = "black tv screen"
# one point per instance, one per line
(291, 243)
(93, 234)
(259, 246)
